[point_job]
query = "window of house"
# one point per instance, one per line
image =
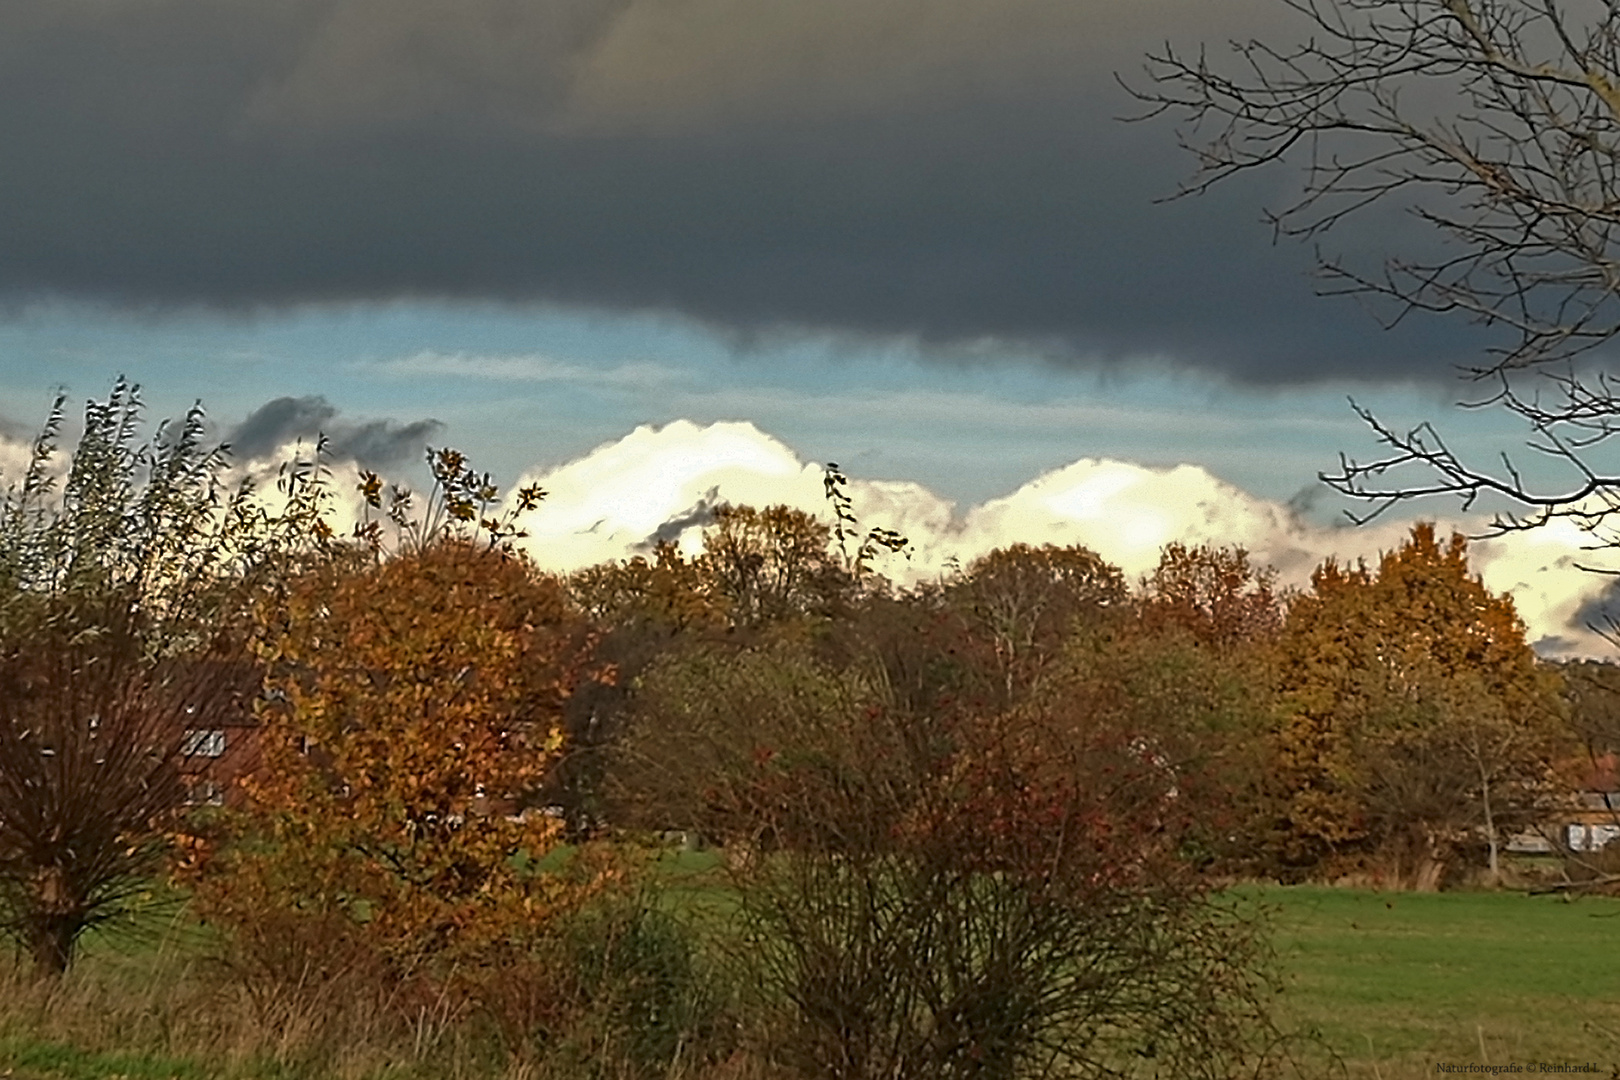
(203, 742)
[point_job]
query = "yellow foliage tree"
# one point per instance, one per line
(1419, 720)
(410, 704)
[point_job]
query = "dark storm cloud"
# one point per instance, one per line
(700, 513)
(372, 443)
(1600, 612)
(948, 169)
(383, 442)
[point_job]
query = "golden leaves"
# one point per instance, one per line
(413, 706)
(1412, 696)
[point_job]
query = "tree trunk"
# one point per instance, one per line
(1490, 838)
(1428, 874)
(52, 921)
(50, 940)
(1421, 863)
(1490, 818)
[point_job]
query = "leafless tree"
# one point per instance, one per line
(1496, 123)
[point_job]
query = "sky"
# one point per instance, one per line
(656, 253)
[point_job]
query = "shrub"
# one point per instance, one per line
(952, 895)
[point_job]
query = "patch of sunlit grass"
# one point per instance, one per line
(1400, 983)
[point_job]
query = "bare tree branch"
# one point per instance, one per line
(1496, 125)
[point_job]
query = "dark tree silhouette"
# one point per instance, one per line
(93, 742)
(1496, 124)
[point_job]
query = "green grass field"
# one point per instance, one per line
(1391, 984)
(1398, 983)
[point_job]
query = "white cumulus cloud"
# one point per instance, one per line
(607, 504)
(657, 481)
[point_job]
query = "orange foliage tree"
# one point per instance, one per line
(411, 703)
(1419, 721)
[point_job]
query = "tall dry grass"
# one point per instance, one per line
(617, 1000)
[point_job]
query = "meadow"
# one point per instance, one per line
(1396, 983)
(1376, 985)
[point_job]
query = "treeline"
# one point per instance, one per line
(1389, 722)
(972, 828)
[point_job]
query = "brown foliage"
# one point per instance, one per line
(91, 753)
(948, 891)
(1593, 690)
(641, 608)
(716, 743)
(1212, 593)
(1002, 898)
(663, 597)
(122, 598)
(771, 564)
(411, 704)
(1026, 602)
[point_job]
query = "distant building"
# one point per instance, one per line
(220, 743)
(1589, 821)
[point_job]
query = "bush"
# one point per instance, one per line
(1022, 920)
(952, 896)
(641, 1001)
(411, 704)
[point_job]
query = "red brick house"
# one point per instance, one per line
(219, 743)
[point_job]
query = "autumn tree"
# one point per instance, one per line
(665, 595)
(957, 893)
(1214, 594)
(411, 703)
(641, 608)
(1418, 716)
(923, 654)
(771, 564)
(933, 883)
(1026, 600)
(761, 573)
(716, 737)
(92, 746)
(461, 502)
(1025, 909)
(1592, 694)
(126, 576)
(1206, 622)
(1592, 688)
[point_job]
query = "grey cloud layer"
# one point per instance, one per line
(284, 420)
(949, 169)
